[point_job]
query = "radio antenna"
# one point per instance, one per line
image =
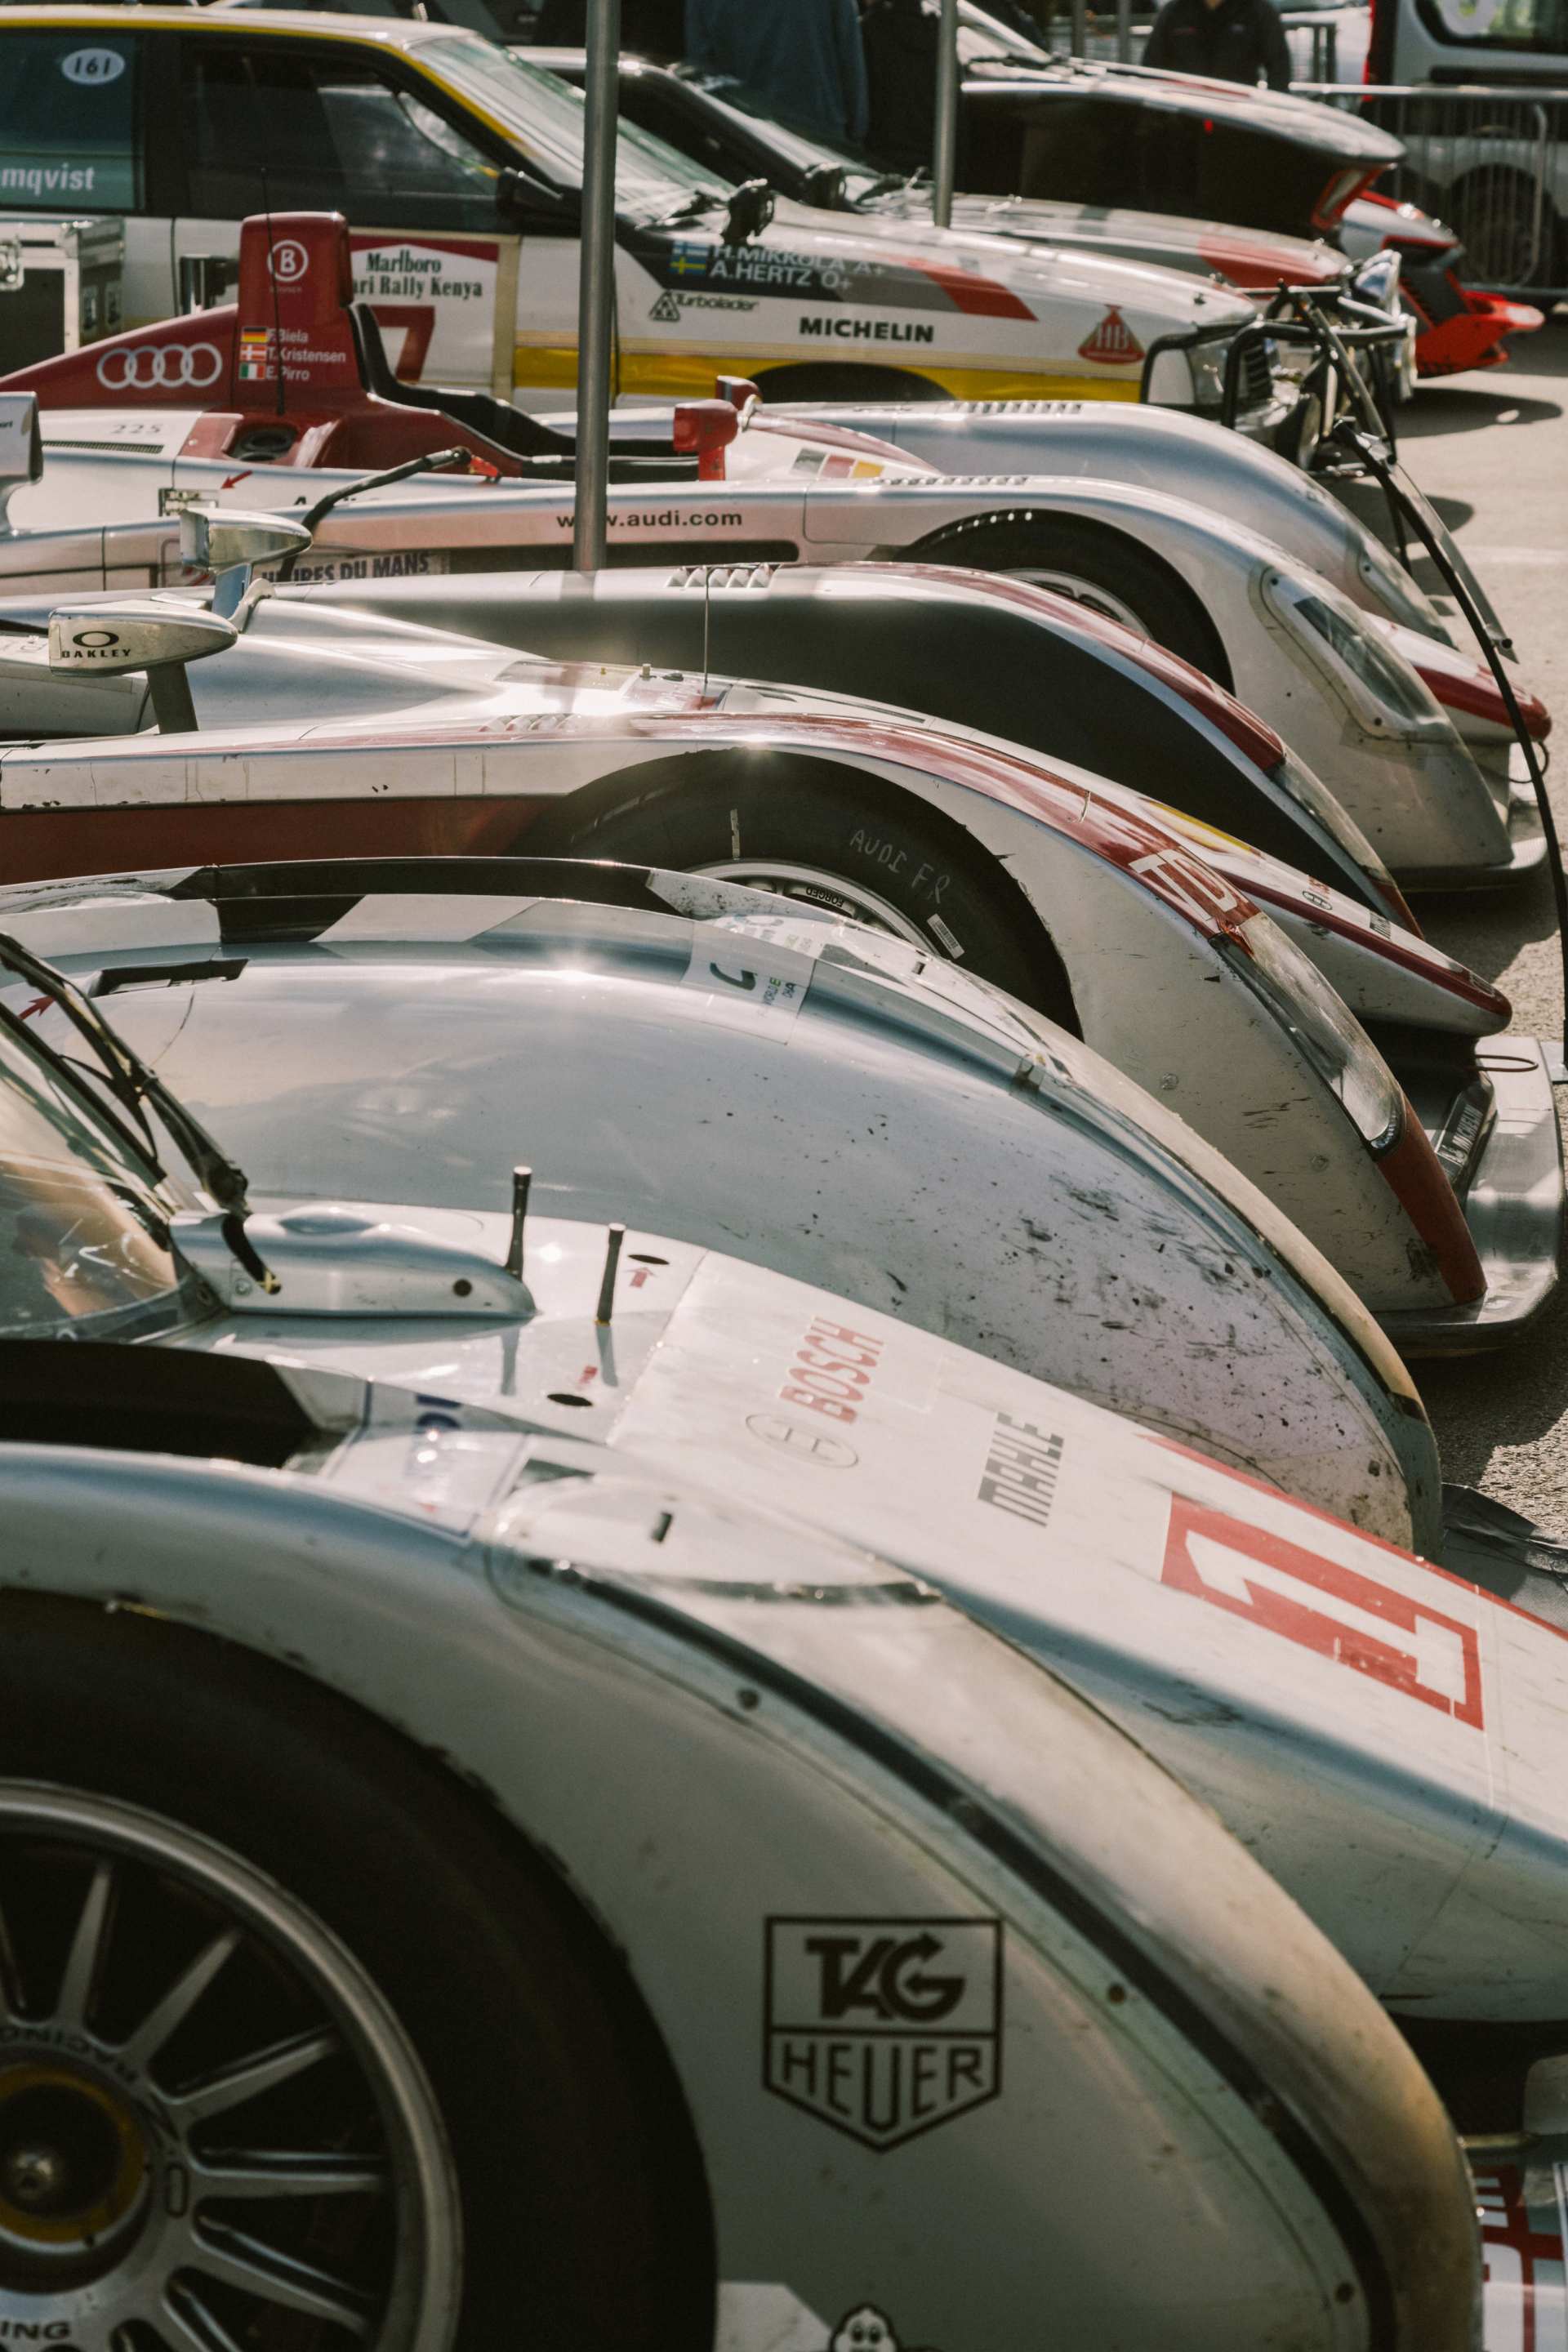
(272, 275)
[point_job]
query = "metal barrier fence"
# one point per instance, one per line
(1493, 164)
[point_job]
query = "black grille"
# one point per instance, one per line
(1257, 375)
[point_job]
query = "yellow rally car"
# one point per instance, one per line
(460, 170)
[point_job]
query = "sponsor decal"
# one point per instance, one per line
(62, 180)
(883, 2029)
(167, 367)
(174, 502)
(832, 1370)
(664, 519)
(1521, 2216)
(873, 331)
(1113, 343)
(385, 273)
(93, 69)
(412, 563)
(1337, 1613)
(667, 310)
(288, 261)
(1021, 1467)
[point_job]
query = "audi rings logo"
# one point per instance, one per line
(161, 367)
(288, 261)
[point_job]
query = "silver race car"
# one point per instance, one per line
(1070, 893)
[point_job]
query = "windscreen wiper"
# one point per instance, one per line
(132, 1084)
(700, 199)
(434, 461)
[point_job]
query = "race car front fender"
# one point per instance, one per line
(777, 1778)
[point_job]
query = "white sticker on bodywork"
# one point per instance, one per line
(752, 973)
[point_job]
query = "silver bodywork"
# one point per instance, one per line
(1398, 767)
(1016, 1195)
(495, 1597)
(1108, 884)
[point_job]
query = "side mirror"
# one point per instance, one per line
(157, 638)
(823, 186)
(522, 199)
(214, 538)
(21, 445)
(750, 210)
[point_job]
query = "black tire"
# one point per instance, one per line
(583, 2214)
(844, 382)
(1149, 594)
(707, 811)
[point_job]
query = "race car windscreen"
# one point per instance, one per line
(548, 121)
(83, 1247)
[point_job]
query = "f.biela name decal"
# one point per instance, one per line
(883, 2029)
(869, 330)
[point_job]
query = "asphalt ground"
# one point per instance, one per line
(1490, 450)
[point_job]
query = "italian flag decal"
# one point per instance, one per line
(1113, 342)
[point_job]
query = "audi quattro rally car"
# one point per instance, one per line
(814, 2089)
(1312, 664)
(1043, 879)
(601, 1003)
(460, 170)
(718, 123)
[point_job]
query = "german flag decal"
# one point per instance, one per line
(1113, 342)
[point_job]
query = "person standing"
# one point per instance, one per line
(805, 56)
(1228, 40)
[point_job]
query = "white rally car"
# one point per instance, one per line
(1041, 877)
(1357, 701)
(459, 172)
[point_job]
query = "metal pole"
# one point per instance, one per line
(1079, 27)
(944, 150)
(1124, 32)
(596, 286)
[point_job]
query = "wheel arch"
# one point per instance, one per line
(567, 827)
(947, 544)
(135, 1551)
(844, 380)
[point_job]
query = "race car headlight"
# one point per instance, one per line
(1207, 363)
(1382, 691)
(1326, 1031)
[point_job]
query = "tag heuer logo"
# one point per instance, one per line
(667, 310)
(1112, 342)
(883, 2028)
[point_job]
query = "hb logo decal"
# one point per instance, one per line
(883, 2028)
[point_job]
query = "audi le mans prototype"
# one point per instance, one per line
(547, 1423)
(1356, 701)
(1067, 890)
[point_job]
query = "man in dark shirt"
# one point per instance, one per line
(1228, 40)
(803, 55)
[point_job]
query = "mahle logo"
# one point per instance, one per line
(883, 2028)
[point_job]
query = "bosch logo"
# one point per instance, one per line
(288, 261)
(161, 367)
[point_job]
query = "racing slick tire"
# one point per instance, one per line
(877, 857)
(1092, 566)
(208, 1864)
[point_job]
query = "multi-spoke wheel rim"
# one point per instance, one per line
(816, 887)
(214, 2132)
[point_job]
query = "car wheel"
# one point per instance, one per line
(823, 836)
(299, 2052)
(1092, 566)
(1494, 215)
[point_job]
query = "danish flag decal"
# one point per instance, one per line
(1113, 343)
(1372, 1628)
